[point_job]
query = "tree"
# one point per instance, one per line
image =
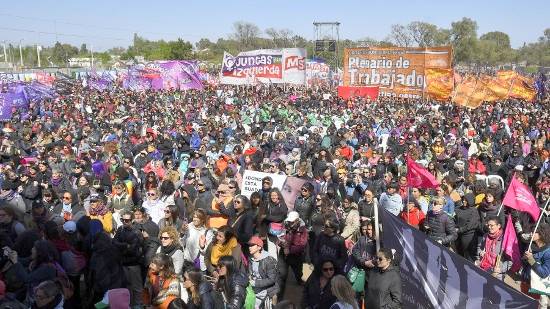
(400, 36)
(423, 34)
(62, 52)
(245, 33)
(179, 50)
(501, 39)
(464, 39)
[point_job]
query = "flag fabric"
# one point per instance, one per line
(510, 244)
(467, 93)
(521, 87)
(520, 198)
(6, 100)
(419, 177)
(439, 83)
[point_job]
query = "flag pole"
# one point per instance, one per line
(538, 222)
(502, 203)
(377, 228)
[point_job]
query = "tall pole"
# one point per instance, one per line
(38, 48)
(5, 54)
(543, 213)
(20, 54)
(92, 50)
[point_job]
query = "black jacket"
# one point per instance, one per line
(268, 275)
(384, 290)
(235, 290)
(304, 207)
(151, 243)
(467, 220)
(313, 297)
(243, 225)
(130, 245)
(441, 227)
(207, 299)
(105, 270)
(330, 248)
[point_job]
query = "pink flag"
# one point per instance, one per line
(519, 197)
(510, 245)
(419, 177)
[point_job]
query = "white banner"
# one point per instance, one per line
(266, 66)
(252, 182)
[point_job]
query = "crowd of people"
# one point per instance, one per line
(132, 199)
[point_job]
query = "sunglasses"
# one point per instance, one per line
(328, 269)
(164, 238)
(151, 194)
(126, 220)
(166, 211)
(304, 190)
(318, 199)
(380, 258)
(237, 202)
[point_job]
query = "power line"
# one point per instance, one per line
(97, 27)
(61, 34)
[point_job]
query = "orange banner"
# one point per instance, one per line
(497, 89)
(521, 87)
(398, 71)
(468, 93)
(439, 83)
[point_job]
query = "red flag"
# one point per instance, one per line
(510, 244)
(419, 177)
(519, 197)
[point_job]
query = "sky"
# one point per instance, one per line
(105, 24)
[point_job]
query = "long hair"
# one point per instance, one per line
(231, 265)
(281, 199)
(45, 252)
(195, 276)
(165, 264)
(342, 289)
(227, 232)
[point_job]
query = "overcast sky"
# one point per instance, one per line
(105, 24)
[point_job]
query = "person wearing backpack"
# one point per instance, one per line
(129, 242)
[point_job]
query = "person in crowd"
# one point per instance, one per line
(225, 243)
(384, 288)
(154, 206)
(490, 207)
(391, 200)
(467, 225)
(350, 220)
(9, 224)
(330, 245)
(129, 242)
(489, 250)
(438, 225)
(241, 219)
(317, 290)
(366, 206)
(48, 295)
(274, 214)
(344, 293)
(69, 208)
(538, 259)
(293, 245)
(162, 285)
(192, 234)
(231, 282)
(149, 231)
(121, 200)
(199, 290)
(262, 272)
(419, 197)
(170, 245)
(98, 210)
(171, 218)
(305, 202)
(412, 214)
(364, 251)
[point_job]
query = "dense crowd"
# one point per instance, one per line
(132, 199)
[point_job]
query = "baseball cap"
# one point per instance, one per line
(255, 240)
(292, 216)
(69, 227)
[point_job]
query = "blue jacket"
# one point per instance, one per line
(542, 265)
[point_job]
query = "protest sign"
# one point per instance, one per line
(6, 107)
(434, 277)
(352, 92)
(268, 66)
(252, 181)
(316, 72)
(399, 71)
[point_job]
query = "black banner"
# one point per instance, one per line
(434, 277)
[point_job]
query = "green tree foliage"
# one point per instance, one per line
(61, 53)
(464, 40)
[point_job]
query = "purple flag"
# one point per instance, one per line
(37, 91)
(6, 100)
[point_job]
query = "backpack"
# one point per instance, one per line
(63, 281)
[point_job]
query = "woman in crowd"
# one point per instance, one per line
(231, 282)
(98, 210)
(193, 232)
(149, 231)
(364, 251)
(171, 218)
(317, 289)
(241, 220)
(120, 200)
(162, 285)
(539, 258)
(9, 223)
(438, 225)
(275, 213)
(330, 246)
(305, 202)
(154, 206)
(344, 293)
(225, 243)
(467, 224)
(367, 205)
(384, 288)
(412, 214)
(170, 245)
(489, 250)
(351, 220)
(200, 291)
(489, 207)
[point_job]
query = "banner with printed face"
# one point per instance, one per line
(434, 277)
(398, 71)
(266, 66)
